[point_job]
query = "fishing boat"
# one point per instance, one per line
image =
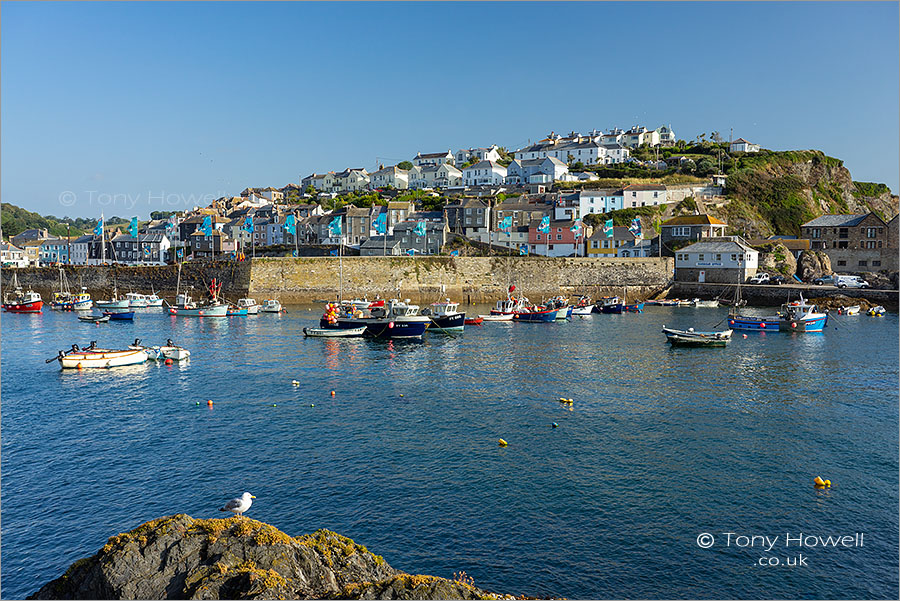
(510, 305)
(796, 316)
(609, 304)
(334, 333)
(852, 310)
(250, 304)
(94, 318)
(186, 307)
(633, 308)
(271, 306)
(64, 300)
(474, 321)
(113, 303)
(705, 303)
(21, 302)
(561, 304)
(583, 306)
(137, 301)
(538, 314)
(395, 319)
(153, 300)
(119, 315)
(444, 316)
(233, 311)
(690, 337)
(93, 357)
(162, 352)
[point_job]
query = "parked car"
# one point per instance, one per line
(850, 281)
(826, 280)
(759, 278)
(777, 279)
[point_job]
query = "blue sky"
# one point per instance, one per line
(128, 107)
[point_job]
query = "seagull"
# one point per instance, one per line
(239, 505)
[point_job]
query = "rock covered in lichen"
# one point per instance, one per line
(179, 557)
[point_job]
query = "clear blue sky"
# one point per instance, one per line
(157, 99)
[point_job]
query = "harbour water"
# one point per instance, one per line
(660, 446)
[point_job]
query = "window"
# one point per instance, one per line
(718, 257)
(681, 232)
(733, 258)
(700, 257)
(559, 236)
(551, 247)
(871, 232)
(842, 263)
(843, 233)
(876, 263)
(863, 263)
(538, 237)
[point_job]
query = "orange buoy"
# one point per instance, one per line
(332, 393)
(168, 362)
(79, 366)
(209, 403)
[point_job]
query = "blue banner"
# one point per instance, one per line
(544, 228)
(635, 228)
(133, 227)
(248, 225)
(454, 253)
(608, 228)
(411, 251)
(290, 224)
(179, 253)
(576, 227)
(419, 230)
(523, 250)
(334, 253)
(381, 223)
(334, 228)
(98, 231)
(506, 224)
(206, 228)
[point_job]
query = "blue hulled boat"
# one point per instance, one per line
(797, 316)
(394, 320)
(535, 315)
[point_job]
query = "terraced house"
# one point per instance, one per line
(854, 243)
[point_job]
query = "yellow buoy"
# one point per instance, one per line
(828, 483)
(295, 382)
(502, 442)
(818, 481)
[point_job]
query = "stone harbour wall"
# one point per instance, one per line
(465, 279)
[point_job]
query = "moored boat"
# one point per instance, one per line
(474, 321)
(705, 303)
(236, 311)
(876, 311)
(250, 304)
(93, 357)
(690, 337)
(538, 314)
(119, 315)
(136, 300)
(609, 304)
(64, 300)
(444, 316)
(334, 332)
(852, 310)
(162, 352)
(394, 320)
(796, 316)
(271, 306)
(21, 302)
(90, 317)
(186, 307)
(497, 317)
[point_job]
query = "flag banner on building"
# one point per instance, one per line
(294, 253)
(411, 251)
(290, 224)
(506, 224)
(419, 230)
(98, 231)
(334, 253)
(179, 253)
(454, 253)
(206, 228)
(334, 228)
(381, 223)
(133, 227)
(146, 251)
(544, 228)
(635, 228)
(576, 227)
(170, 224)
(608, 228)
(523, 250)
(248, 225)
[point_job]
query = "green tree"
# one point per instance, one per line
(407, 165)
(578, 166)
(705, 167)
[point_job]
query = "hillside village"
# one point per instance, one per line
(629, 194)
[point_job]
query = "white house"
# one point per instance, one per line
(536, 171)
(485, 173)
(351, 180)
(666, 135)
(433, 158)
(585, 202)
(477, 154)
(639, 135)
(447, 176)
(389, 176)
(12, 256)
(725, 260)
(742, 145)
(80, 249)
(644, 195)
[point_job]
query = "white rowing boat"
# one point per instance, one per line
(334, 332)
(498, 317)
(101, 358)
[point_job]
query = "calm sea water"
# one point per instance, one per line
(660, 446)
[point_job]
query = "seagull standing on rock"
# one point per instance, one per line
(239, 505)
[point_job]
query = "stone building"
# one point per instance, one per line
(854, 243)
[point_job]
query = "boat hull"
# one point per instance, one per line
(586, 310)
(743, 322)
(102, 359)
(450, 323)
(120, 315)
(474, 321)
(34, 307)
(612, 309)
(122, 304)
(635, 308)
(811, 324)
(236, 312)
(564, 313)
(536, 316)
(383, 328)
(497, 317)
(218, 311)
(334, 332)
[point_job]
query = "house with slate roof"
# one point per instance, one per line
(724, 260)
(854, 243)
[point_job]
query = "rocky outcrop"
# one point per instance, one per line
(776, 258)
(179, 557)
(813, 264)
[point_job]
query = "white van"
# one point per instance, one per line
(850, 281)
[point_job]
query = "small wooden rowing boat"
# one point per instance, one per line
(334, 332)
(101, 358)
(497, 317)
(474, 321)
